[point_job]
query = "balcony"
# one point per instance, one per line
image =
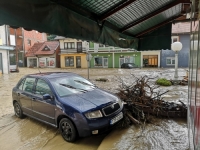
(75, 50)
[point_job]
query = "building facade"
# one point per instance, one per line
(180, 33)
(44, 54)
(21, 40)
(104, 56)
(72, 52)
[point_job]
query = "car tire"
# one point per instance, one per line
(67, 130)
(18, 110)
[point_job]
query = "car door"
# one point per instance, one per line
(25, 93)
(43, 109)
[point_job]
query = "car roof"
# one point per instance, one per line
(51, 74)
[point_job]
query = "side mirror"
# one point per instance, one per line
(47, 97)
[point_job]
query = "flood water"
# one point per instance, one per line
(161, 134)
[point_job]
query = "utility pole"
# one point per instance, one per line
(16, 52)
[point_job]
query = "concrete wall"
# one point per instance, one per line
(5, 62)
(2, 35)
(183, 55)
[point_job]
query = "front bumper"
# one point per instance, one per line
(86, 127)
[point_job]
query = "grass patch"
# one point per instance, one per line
(164, 82)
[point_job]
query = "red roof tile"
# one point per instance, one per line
(33, 49)
(45, 48)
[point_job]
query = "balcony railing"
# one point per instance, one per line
(74, 50)
(110, 49)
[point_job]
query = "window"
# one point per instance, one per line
(98, 61)
(69, 61)
(42, 88)
(29, 42)
(170, 61)
(175, 39)
(69, 45)
(20, 86)
(28, 85)
(101, 45)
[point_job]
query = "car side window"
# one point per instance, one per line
(28, 84)
(20, 86)
(42, 88)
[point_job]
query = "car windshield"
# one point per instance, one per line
(71, 85)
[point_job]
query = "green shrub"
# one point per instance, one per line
(164, 82)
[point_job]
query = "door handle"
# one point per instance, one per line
(18, 94)
(33, 99)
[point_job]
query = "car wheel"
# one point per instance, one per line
(18, 110)
(67, 130)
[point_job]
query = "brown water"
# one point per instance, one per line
(163, 134)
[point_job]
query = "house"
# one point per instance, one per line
(72, 52)
(181, 33)
(104, 56)
(44, 54)
(19, 40)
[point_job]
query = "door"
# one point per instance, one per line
(105, 62)
(43, 109)
(121, 61)
(78, 61)
(25, 93)
(79, 47)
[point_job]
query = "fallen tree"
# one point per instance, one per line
(143, 99)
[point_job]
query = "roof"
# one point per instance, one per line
(105, 22)
(45, 48)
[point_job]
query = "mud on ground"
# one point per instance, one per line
(165, 134)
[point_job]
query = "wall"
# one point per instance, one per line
(5, 61)
(83, 60)
(2, 35)
(183, 55)
(34, 36)
(116, 58)
(85, 44)
(104, 55)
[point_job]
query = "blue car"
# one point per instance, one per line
(67, 101)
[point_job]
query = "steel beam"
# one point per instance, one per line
(158, 25)
(172, 4)
(115, 9)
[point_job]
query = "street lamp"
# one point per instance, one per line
(176, 47)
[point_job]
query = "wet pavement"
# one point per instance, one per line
(23, 134)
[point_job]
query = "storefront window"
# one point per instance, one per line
(98, 61)
(69, 61)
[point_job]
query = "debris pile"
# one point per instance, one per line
(143, 100)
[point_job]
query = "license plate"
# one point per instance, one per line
(116, 118)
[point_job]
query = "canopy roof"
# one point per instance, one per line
(123, 23)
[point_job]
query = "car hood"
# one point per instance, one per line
(89, 100)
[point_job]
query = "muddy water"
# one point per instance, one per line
(17, 134)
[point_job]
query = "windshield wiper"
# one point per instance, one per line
(72, 87)
(84, 83)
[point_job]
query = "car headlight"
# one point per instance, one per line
(94, 114)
